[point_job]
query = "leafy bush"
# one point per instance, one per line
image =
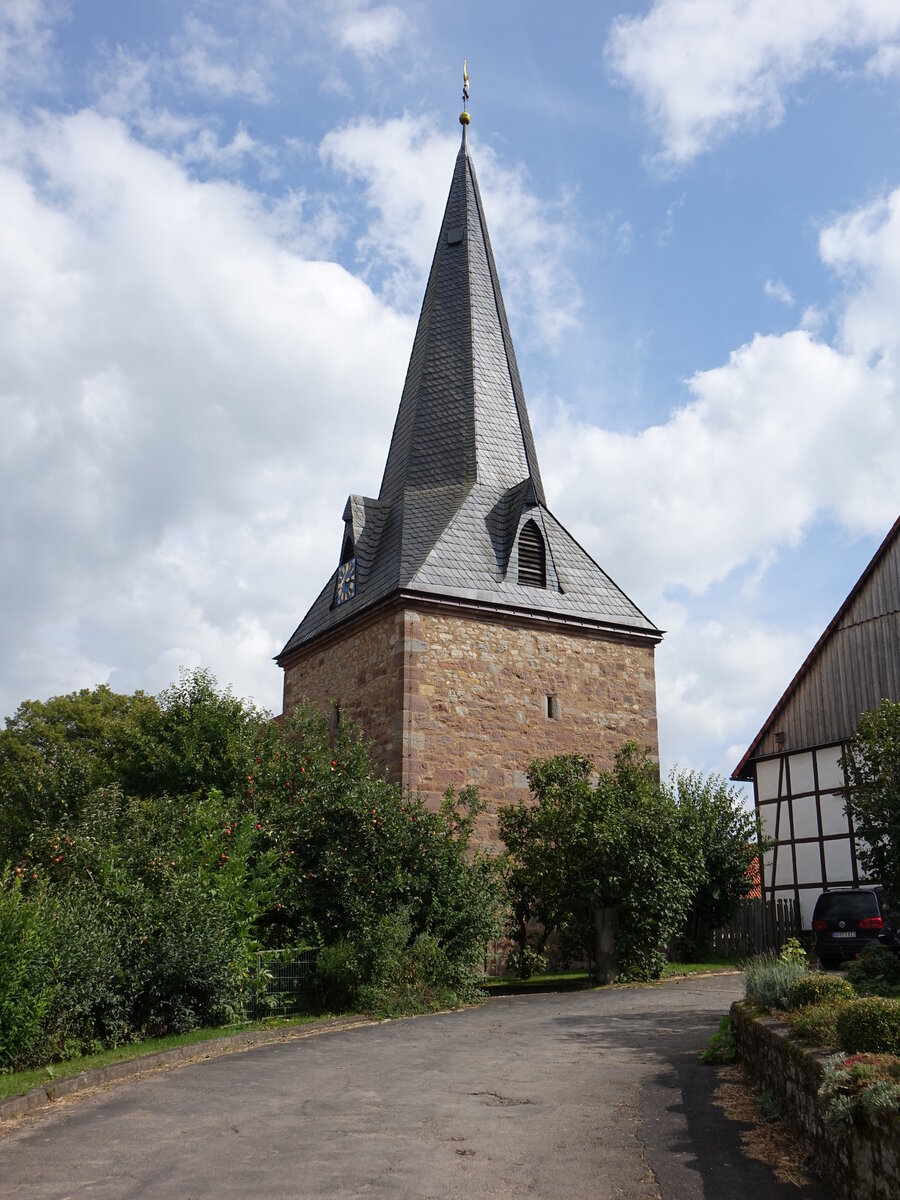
(722, 1046)
(817, 1023)
(525, 961)
(768, 978)
(336, 983)
(620, 844)
(792, 951)
(850, 1083)
(403, 972)
(870, 1024)
(724, 840)
(26, 990)
(815, 988)
(876, 972)
(159, 843)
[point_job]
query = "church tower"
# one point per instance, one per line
(464, 628)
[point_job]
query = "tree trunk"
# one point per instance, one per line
(606, 922)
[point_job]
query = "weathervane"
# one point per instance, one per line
(464, 117)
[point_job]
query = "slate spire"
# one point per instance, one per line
(462, 480)
(462, 417)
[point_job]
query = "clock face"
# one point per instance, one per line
(346, 581)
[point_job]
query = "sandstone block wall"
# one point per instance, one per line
(362, 673)
(451, 698)
(476, 697)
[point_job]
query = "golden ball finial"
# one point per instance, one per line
(464, 118)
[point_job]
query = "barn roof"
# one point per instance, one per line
(853, 666)
(462, 475)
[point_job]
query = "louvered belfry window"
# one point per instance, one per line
(532, 557)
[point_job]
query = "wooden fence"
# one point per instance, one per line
(757, 927)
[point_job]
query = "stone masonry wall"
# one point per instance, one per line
(361, 672)
(452, 698)
(475, 696)
(863, 1162)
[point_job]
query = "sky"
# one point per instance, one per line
(216, 222)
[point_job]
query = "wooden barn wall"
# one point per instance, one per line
(856, 668)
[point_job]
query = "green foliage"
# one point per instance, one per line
(769, 1106)
(872, 769)
(768, 978)
(793, 951)
(870, 1025)
(815, 988)
(620, 844)
(817, 1023)
(26, 992)
(523, 962)
(349, 848)
(860, 1082)
(724, 838)
(876, 972)
(722, 1047)
(54, 753)
(158, 843)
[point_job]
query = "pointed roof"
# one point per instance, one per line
(853, 666)
(462, 415)
(462, 474)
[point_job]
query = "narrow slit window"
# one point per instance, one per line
(532, 557)
(551, 707)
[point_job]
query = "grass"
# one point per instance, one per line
(546, 980)
(568, 978)
(673, 969)
(17, 1083)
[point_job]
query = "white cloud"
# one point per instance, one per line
(406, 191)
(215, 65)
(26, 35)
(885, 61)
(719, 679)
(703, 68)
(778, 291)
(371, 33)
(789, 432)
(172, 376)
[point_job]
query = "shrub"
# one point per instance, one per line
(870, 1082)
(870, 1024)
(767, 979)
(403, 974)
(26, 990)
(792, 951)
(876, 972)
(337, 977)
(525, 961)
(817, 1023)
(722, 1046)
(815, 988)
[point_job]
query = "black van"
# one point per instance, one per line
(847, 921)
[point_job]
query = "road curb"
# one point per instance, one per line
(56, 1089)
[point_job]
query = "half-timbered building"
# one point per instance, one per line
(794, 762)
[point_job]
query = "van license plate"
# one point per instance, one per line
(849, 933)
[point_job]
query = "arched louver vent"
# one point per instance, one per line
(532, 557)
(348, 552)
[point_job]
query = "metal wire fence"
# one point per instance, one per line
(281, 983)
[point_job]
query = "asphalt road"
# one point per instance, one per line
(591, 1094)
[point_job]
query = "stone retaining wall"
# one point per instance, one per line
(861, 1164)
